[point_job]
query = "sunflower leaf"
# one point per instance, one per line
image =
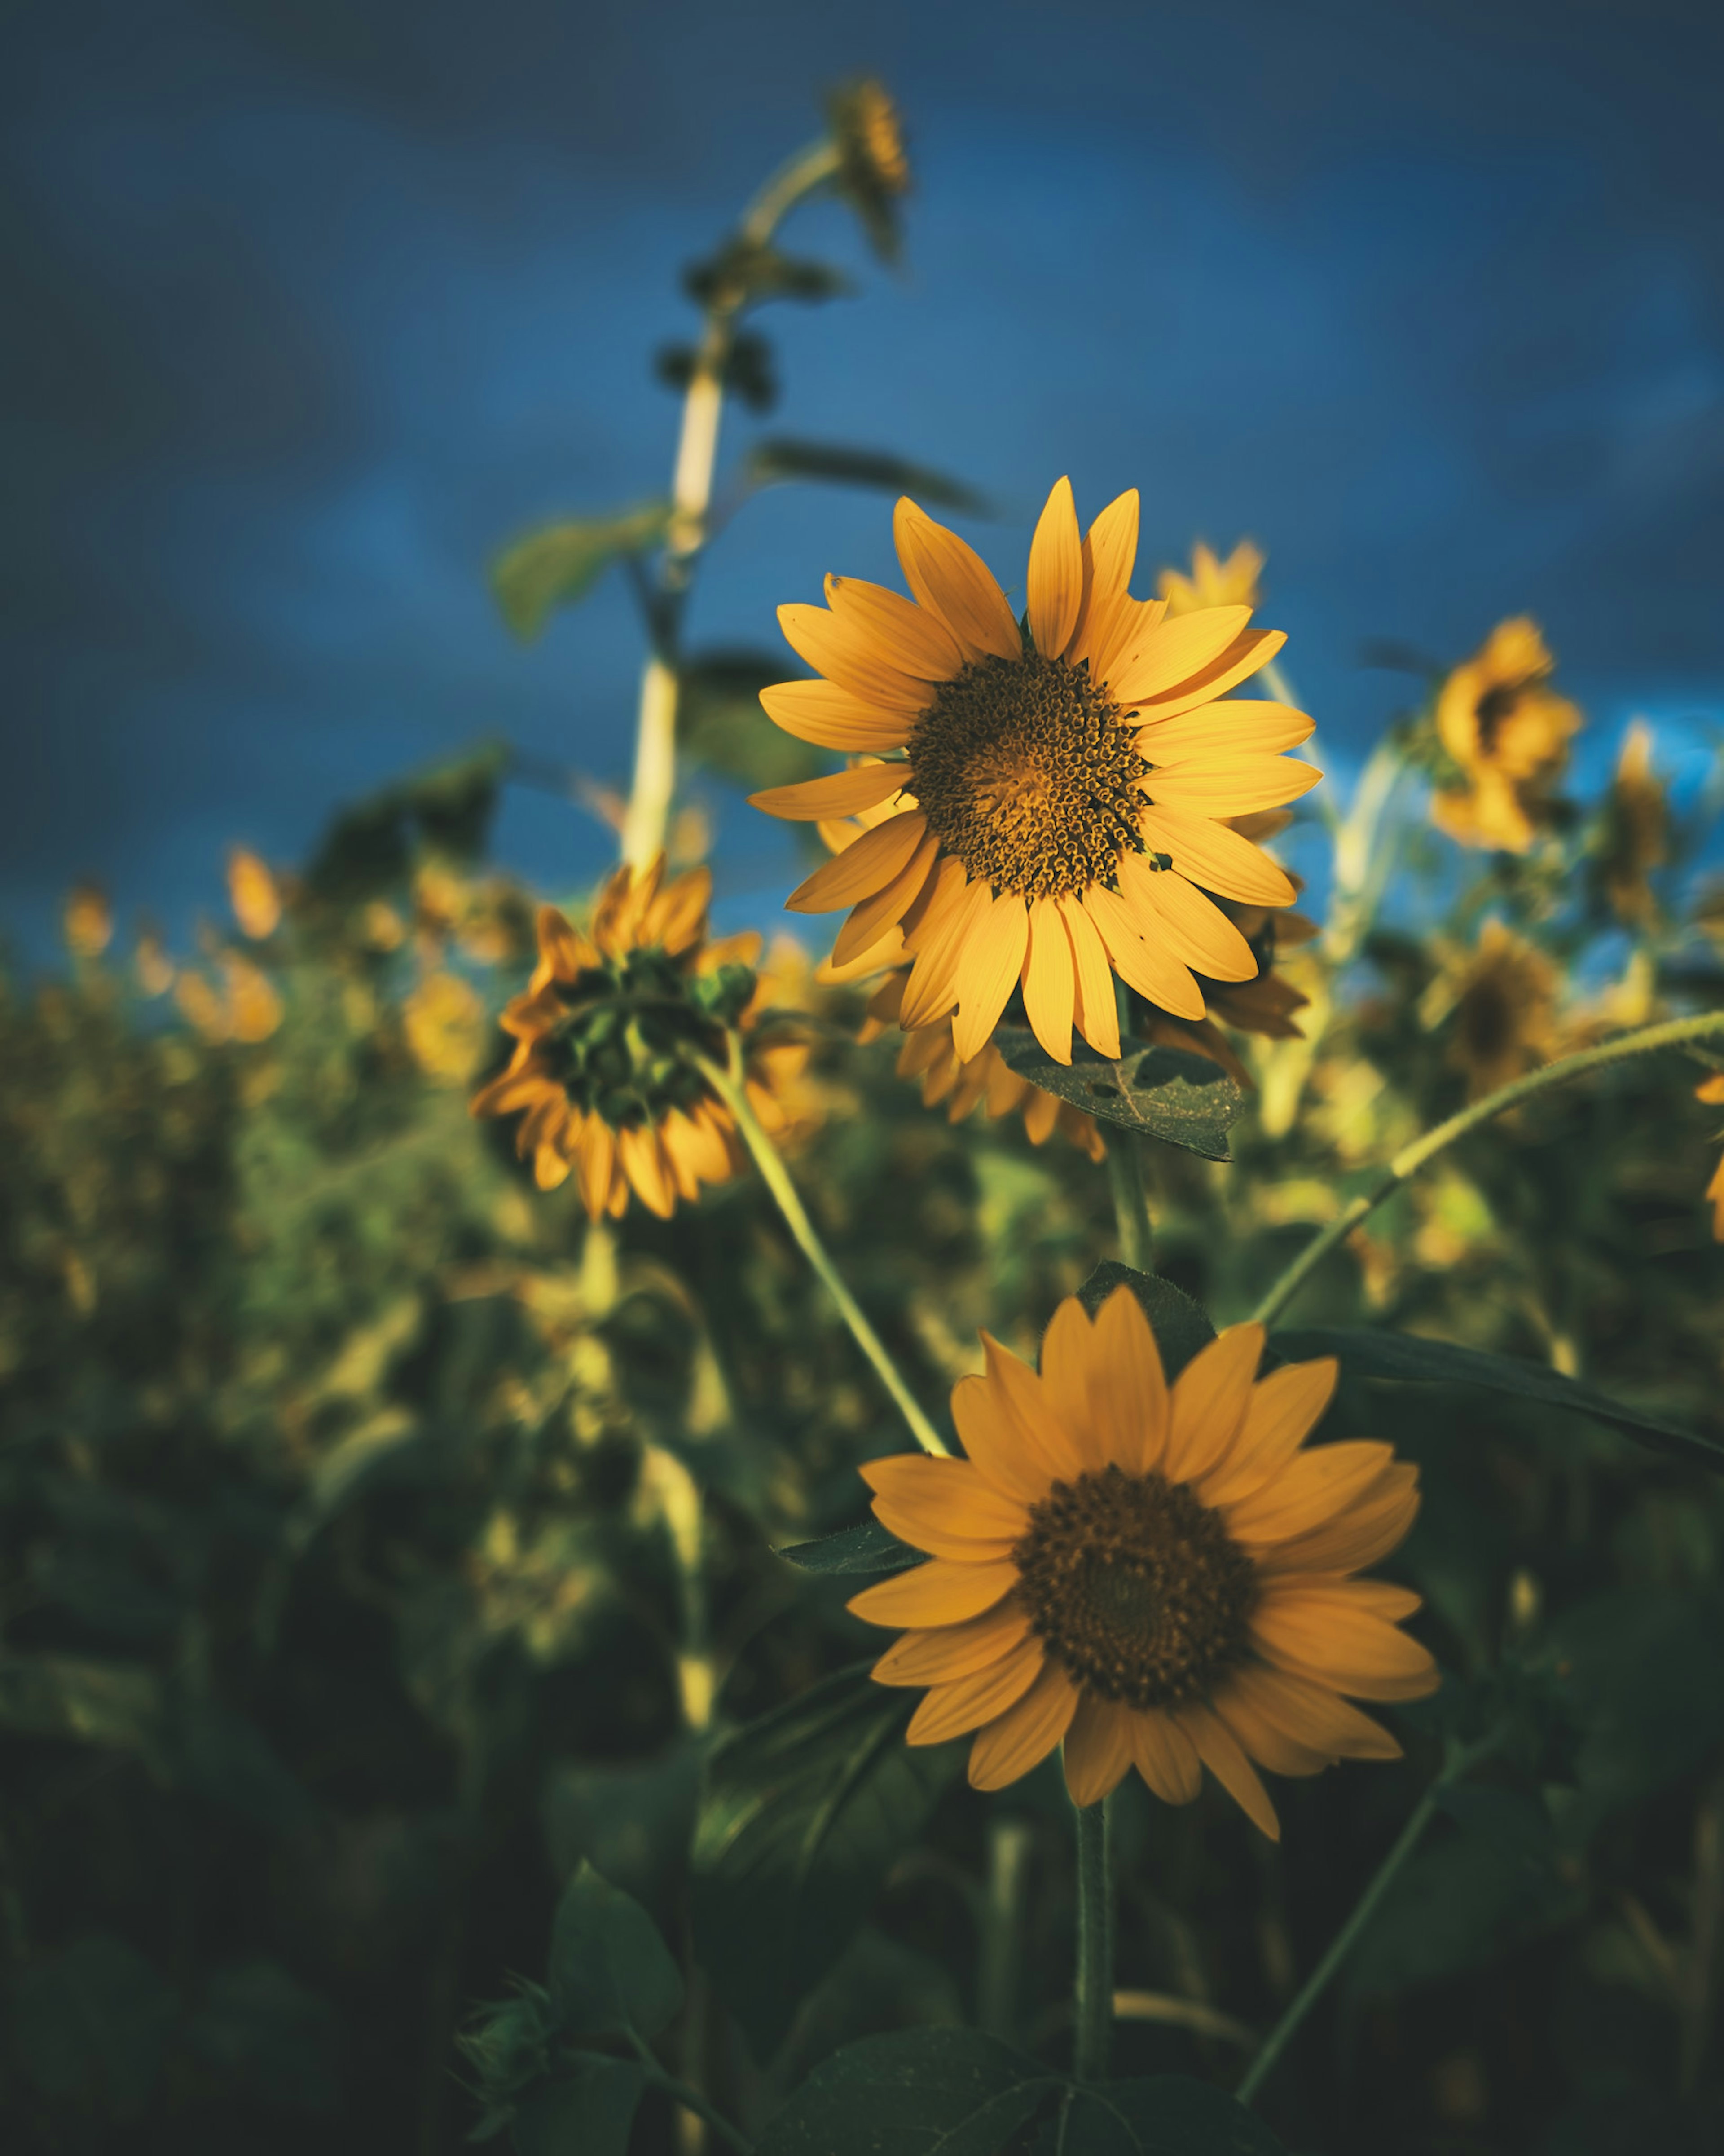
(1405, 1356)
(1163, 2115)
(559, 564)
(780, 457)
(800, 1816)
(916, 2089)
(1161, 1093)
(609, 1970)
(865, 1548)
(589, 2106)
(1181, 1326)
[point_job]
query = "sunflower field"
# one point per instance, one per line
(1075, 1510)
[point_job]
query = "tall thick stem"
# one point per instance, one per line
(1672, 1033)
(1131, 1200)
(1093, 1997)
(732, 1090)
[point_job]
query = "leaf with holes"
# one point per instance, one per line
(1160, 1092)
(801, 1814)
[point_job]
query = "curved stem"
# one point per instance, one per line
(691, 2099)
(1672, 1033)
(732, 1089)
(1131, 1201)
(1093, 1997)
(1461, 1761)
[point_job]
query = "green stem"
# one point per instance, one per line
(1462, 1759)
(1093, 1999)
(1672, 1033)
(1131, 1201)
(691, 2099)
(731, 1090)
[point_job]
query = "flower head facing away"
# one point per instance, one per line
(1158, 1576)
(1060, 811)
(607, 1037)
(1507, 731)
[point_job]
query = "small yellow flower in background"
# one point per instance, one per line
(254, 894)
(1711, 1091)
(1508, 731)
(248, 1007)
(446, 1028)
(1061, 809)
(1500, 1000)
(380, 927)
(1212, 583)
(87, 921)
(154, 968)
(604, 1035)
(1161, 1577)
(1637, 819)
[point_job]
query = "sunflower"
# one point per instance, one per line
(1636, 831)
(1212, 583)
(1711, 1091)
(605, 1035)
(1058, 812)
(1508, 732)
(1159, 1576)
(1502, 998)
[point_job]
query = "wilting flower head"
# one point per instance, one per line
(1212, 583)
(253, 894)
(1508, 731)
(87, 921)
(1637, 819)
(1502, 996)
(606, 1035)
(874, 167)
(1161, 1577)
(1711, 1090)
(1059, 812)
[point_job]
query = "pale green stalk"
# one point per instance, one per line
(1672, 1033)
(730, 1086)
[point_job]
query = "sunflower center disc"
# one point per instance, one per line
(1027, 772)
(1136, 1586)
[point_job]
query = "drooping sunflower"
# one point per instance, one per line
(1058, 810)
(605, 1035)
(1159, 1577)
(1508, 730)
(1212, 583)
(1635, 836)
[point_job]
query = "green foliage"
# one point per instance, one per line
(721, 727)
(558, 565)
(1181, 1326)
(777, 458)
(609, 1970)
(1164, 1093)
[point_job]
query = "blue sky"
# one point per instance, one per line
(323, 300)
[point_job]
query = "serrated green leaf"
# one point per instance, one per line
(586, 2111)
(1181, 1326)
(914, 2093)
(1161, 2115)
(780, 457)
(1160, 1092)
(609, 1971)
(1403, 1357)
(865, 1548)
(560, 564)
(802, 1812)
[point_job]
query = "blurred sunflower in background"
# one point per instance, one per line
(1711, 1091)
(1635, 831)
(1057, 797)
(1499, 1001)
(1212, 583)
(602, 1072)
(1507, 733)
(1158, 1576)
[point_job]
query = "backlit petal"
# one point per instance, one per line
(1230, 786)
(840, 793)
(822, 712)
(1192, 927)
(1253, 726)
(1153, 974)
(1238, 662)
(1175, 652)
(1055, 583)
(988, 967)
(914, 640)
(862, 868)
(1215, 857)
(1095, 1008)
(1049, 991)
(952, 581)
(1109, 549)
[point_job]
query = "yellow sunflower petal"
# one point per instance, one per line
(1210, 1396)
(831, 717)
(993, 1440)
(1098, 1748)
(954, 1709)
(1252, 726)
(1284, 1410)
(1065, 1380)
(1049, 988)
(954, 583)
(643, 1161)
(1176, 652)
(894, 902)
(937, 1592)
(1218, 859)
(1230, 786)
(953, 1650)
(1055, 583)
(1128, 1390)
(860, 870)
(932, 988)
(1095, 1008)
(1109, 549)
(1218, 1749)
(1360, 1536)
(1311, 1490)
(1264, 1741)
(846, 653)
(1153, 974)
(949, 1500)
(1359, 1654)
(1313, 1714)
(1025, 1733)
(840, 793)
(1020, 1395)
(988, 967)
(1166, 1757)
(914, 640)
(1132, 622)
(1193, 927)
(1241, 660)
